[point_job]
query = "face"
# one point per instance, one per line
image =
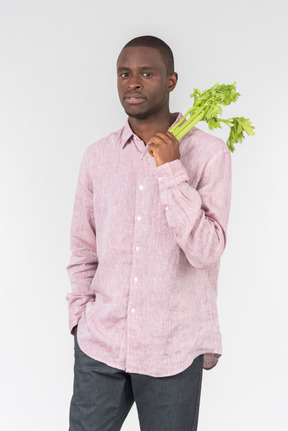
(143, 83)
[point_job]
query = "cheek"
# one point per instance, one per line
(120, 90)
(156, 93)
(161, 94)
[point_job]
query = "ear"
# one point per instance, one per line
(172, 81)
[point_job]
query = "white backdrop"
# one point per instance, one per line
(58, 95)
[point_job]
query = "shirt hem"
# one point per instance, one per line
(177, 369)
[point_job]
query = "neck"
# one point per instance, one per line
(146, 128)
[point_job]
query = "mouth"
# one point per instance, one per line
(134, 99)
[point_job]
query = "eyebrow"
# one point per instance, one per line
(143, 68)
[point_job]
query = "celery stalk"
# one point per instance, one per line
(207, 107)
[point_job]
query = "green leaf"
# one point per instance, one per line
(239, 126)
(213, 123)
(207, 107)
(213, 111)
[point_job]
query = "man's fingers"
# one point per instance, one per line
(150, 150)
(162, 138)
(154, 143)
(164, 145)
(157, 140)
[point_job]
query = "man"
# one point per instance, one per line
(148, 229)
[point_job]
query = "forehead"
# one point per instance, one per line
(140, 56)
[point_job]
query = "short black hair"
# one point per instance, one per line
(155, 42)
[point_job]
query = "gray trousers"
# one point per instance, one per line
(103, 396)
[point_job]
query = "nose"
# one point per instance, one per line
(134, 82)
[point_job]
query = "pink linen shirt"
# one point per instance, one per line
(146, 243)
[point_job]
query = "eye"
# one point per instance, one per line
(147, 74)
(123, 75)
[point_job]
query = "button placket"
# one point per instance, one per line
(139, 218)
(134, 304)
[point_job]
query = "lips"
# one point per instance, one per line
(134, 99)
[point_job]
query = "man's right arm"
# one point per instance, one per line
(84, 260)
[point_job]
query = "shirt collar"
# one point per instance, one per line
(127, 132)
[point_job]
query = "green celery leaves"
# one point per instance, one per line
(207, 107)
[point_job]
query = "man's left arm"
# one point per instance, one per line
(198, 217)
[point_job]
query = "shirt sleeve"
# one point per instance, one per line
(198, 216)
(84, 260)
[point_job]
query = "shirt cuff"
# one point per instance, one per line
(171, 174)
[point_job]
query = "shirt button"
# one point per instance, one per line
(167, 208)
(137, 248)
(140, 187)
(160, 178)
(132, 310)
(135, 278)
(138, 218)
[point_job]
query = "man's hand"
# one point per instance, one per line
(164, 147)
